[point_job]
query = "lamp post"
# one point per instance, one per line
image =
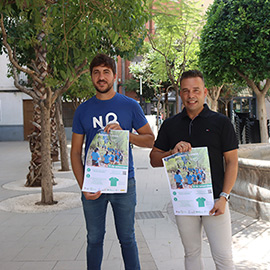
(141, 91)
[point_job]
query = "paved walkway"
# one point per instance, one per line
(55, 240)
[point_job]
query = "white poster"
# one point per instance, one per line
(106, 166)
(190, 182)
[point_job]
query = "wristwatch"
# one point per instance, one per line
(225, 195)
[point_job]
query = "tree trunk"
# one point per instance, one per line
(158, 111)
(176, 88)
(166, 106)
(61, 136)
(212, 103)
(34, 175)
(45, 104)
(262, 115)
(213, 96)
(226, 107)
(46, 168)
(54, 140)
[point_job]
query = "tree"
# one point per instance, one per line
(145, 71)
(80, 91)
(52, 42)
(229, 91)
(176, 37)
(153, 76)
(61, 135)
(235, 47)
(212, 97)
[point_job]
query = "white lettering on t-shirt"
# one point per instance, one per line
(109, 118)
(99, 122)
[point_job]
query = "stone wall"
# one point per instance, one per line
(251, 193)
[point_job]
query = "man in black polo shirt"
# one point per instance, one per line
(198, 126)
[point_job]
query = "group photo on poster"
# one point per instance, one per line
(106, 166)
(189, 178)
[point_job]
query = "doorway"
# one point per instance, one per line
(28, 110)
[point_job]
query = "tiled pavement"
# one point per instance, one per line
(56, 240)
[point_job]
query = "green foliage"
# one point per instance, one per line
(149, 69)
(133, 85)
(174, 44)
(231, 90)
(177, 31)
(235, 38)
(73, 30)
(80, 91)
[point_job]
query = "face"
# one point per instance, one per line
(103, 79)
(193, 93)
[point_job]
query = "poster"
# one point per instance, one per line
(190, 182)
(106, 165)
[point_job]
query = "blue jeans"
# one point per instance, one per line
(123, 205)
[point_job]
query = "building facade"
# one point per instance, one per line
(13, 107)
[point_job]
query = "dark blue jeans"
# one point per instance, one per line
(123, 205)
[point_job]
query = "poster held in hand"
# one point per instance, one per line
(106, 164)
(190, 183)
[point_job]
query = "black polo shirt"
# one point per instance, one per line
(210, 129)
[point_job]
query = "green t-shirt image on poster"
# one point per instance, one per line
(114, 181)
(201, 201)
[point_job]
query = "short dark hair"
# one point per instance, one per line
(103, 60)
(191, 74)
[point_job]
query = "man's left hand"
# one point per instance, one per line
(112, 126)
(219, 207)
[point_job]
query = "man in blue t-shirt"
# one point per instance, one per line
(108, 110)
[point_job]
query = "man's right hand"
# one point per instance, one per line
(92, 196)
(181, 147)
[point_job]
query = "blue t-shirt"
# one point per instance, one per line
(178, 178)
(95, 156)
(95, 114)
(189, 178)
(106, 159)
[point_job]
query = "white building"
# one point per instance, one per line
(12, 106)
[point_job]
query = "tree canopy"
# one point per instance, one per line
(175, 38)
(177, 29)
(236, 38)
(151, 71)
(53, 41)
(72, 31)
(235, 47)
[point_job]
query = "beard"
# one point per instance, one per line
(106, 90)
